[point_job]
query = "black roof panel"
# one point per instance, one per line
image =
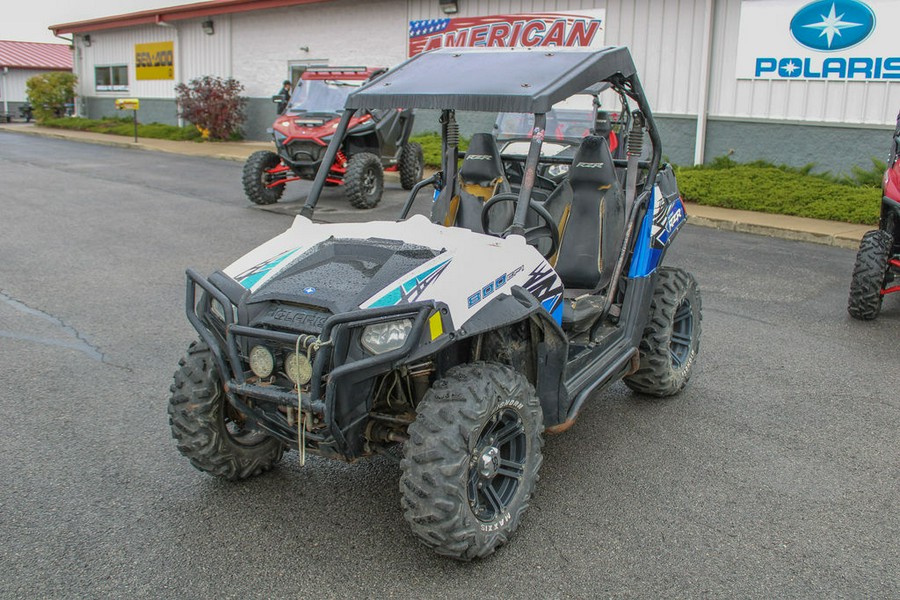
(525, 80)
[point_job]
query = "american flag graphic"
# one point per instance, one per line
(561, 29)
(427, 27)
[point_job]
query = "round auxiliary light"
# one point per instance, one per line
(298, 368)
(262, 363)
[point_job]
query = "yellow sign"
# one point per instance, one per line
(154, 61)
(128, 103)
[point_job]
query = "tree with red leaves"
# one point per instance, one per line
(214, 105)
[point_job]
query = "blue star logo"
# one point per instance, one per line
(831, 25)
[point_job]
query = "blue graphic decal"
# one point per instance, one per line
(831, 25)
(251, 276)
(667, 224)
(642, 262)
(409, 291)
(309, 290)
(554, 307)
(545, 285)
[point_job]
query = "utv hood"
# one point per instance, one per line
(346, 266)
(340, 274)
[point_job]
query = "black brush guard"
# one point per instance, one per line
(337, 327)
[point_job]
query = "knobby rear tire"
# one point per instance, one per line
(671, 338)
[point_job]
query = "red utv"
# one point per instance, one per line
(877, 268)
(376, 141)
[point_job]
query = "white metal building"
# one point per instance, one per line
(19, 61)
(772, 79)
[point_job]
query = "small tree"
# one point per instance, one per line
(213, 104)
(49, 93)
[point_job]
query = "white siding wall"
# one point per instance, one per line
(12, 88)
(342, 33)
(665, 38)
(854, 102)
(196, 54)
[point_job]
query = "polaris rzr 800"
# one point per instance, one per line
(462, 337)
(878, 260)
(375, 141)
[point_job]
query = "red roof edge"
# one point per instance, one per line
(175, 13)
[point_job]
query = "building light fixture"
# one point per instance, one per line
(86, 40)
(208, 27)
(450, 7)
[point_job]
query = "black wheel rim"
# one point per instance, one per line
(682, 332)
(497, 465)
(369, 182)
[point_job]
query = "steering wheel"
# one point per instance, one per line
(546, 228)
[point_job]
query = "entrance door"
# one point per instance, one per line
(297, 67)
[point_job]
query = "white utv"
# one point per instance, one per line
(462, 338)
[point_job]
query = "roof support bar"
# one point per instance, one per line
(327, 161)
(531, 162)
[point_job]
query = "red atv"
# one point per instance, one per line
(376, 141)
(878, 260)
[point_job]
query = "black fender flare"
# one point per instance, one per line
(550, 352)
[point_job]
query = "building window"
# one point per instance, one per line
(111, 79)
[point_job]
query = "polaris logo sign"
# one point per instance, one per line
(827, 39)
(832, 32)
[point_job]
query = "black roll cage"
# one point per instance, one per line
(585, 70)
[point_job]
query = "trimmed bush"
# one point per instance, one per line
(780, 190)
(431, 147)
(49, 93)
(125, 126)
(214, 105)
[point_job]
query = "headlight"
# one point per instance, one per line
(297, 368)
(262, 363)
(384, 337)
(216, 308)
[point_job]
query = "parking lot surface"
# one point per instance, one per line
(774, 474)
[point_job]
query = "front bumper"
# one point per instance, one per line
(337, 369)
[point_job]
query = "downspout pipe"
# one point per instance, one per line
(5, 73)
(76, 70)
(703, 105)
(179, 61)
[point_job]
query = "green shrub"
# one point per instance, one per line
(49, 93)
(871, 177)
(431, 147)
(781, 190)
(863, 177)
(125, 126)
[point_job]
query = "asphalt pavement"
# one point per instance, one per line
(831, 233)
(774, 474)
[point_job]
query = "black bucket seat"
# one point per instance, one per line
(481, 176)
(593, 232)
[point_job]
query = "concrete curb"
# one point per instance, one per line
(234, 151)
(829, 233)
